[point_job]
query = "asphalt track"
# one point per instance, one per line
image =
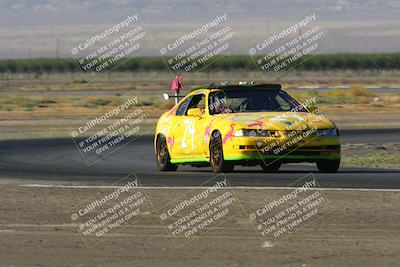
(57, 161)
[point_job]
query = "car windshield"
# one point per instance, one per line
(252, 100)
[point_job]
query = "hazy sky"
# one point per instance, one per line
(45, 28)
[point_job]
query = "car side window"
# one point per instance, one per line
(198, 101)
(183, 107)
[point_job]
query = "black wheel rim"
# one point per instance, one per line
(216, 154)
(162, 153)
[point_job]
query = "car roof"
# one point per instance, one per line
(238, 86)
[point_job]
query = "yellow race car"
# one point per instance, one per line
(248, 125)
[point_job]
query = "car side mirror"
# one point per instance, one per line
(195, 112)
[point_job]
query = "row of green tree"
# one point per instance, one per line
(382, 61)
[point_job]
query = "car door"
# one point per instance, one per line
(190, 144)
(177, 129)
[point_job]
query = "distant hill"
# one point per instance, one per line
(48, 28)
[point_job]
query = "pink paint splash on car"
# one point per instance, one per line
(229, 135)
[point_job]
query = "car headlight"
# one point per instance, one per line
(256, 133)
(328, 132)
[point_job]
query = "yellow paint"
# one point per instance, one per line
(188, 136)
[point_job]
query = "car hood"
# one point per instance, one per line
(276, 120)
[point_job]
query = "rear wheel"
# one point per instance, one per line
(270, 166)
(217, 162)
(163, 157)
(328, 165)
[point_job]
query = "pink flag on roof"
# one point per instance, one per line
(177, 84)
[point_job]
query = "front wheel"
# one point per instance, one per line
(163, 157)
(328, 165)
(217, 162)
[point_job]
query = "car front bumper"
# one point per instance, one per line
(308, 150)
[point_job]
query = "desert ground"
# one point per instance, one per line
(360, 228)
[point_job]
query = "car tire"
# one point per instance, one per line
(327, 166)
(162, 156)
(217, 162)
(270, 167)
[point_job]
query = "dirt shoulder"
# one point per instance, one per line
(360, 228)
